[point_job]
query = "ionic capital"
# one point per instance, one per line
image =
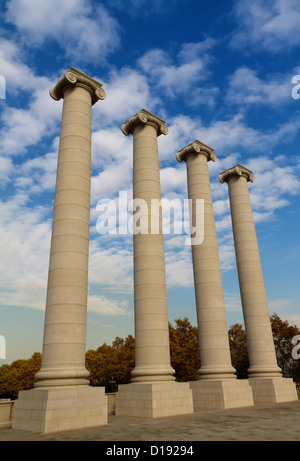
(237, 170)
(74, 77)
(196, 147)
(144, 117)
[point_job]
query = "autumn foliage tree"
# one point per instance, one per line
(283, 333)
(239, 350)
(110, 365)
(184, 350)
(19, 375)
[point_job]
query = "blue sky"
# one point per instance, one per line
(219, 72)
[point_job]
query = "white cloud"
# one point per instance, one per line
(232, 133)
(6, 168)
(25, 245)
(17, 74)
(221, 206)
(26, 125)
(109, 145)
(224, 136)
(181, 75)
(182, 131)
(274, 184)
(191, 51)
(127, 92)
(273, 189)
(271, 24)
(246, 88)
(225, 243)
(111, 180)
(233, 302)
(204, 96)
(110, 267)
(179, 267)
(25, 234)
(105, 306)
(38, 174)
(286, 309)
(143, 7)
(81, 28)
(173, 179)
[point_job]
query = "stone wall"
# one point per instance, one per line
(6, 413)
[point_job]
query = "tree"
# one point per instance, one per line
(184, 349)
(239, 350)
(19, 375)
(111, 365)
(283, 334)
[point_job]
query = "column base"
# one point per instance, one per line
(221, 394)
(60, 409)
(151, 375)
(273, 390)
(217, 373)
(154, 400)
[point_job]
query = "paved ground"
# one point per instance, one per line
(272, 422)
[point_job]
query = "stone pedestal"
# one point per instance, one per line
(154, 400)
(218, 394)
(264, 373)
(222, 388)
(153, 392)
(64, 344)
(60, 409)
(273, 390)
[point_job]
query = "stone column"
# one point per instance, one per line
(213, 332)
(64, 346)
(212, 324)
(264, 373)
(152, 350)
(66, 306)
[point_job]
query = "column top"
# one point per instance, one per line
(144, 117)
(196, 147)
(77, 78)
(238, 170)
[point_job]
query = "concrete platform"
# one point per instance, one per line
(268, 422)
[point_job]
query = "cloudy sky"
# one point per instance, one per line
(220, 72)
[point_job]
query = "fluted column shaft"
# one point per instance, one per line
(64, 345)
(152, 352)
(212, 325)
(260, 342)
